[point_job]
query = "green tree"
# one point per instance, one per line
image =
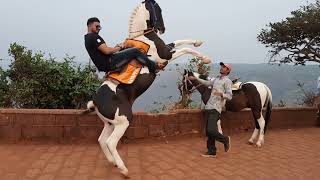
(4, 89)
(296, 39)
(37, 82)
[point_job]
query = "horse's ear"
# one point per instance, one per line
(185, 72)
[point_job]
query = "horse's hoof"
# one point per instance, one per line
(250, 143)
(125, 173)
(258, 145)
(198, 43)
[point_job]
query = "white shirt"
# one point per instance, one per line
(218, 84)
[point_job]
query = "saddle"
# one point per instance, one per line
(130, 72)
(236, 86)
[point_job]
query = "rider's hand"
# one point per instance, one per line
(121, 46)
(192, 78)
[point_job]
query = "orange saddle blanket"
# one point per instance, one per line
(132, 70)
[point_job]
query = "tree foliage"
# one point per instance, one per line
(32, 81)
(296, 39)
(185, 100)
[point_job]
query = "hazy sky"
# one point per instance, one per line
(229, 27)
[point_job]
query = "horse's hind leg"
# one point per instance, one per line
(259, 129)
(261, 122)
(184, 51)
(121, 124)
(106, 132)
(195, 43)
(254, 135)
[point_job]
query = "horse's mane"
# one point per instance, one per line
(133, 16)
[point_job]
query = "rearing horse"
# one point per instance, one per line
(254, 95)
(113, 101)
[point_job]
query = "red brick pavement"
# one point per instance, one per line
(287, 154)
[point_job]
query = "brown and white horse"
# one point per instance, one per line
(113, 101)
(254, 95)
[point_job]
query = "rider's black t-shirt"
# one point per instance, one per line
(92, 42)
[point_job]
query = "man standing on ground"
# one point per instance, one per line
(221, 91)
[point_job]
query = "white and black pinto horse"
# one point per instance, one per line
(113, 101)
(254, 95)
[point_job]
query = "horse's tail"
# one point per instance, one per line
(268, 105)
(90, 108)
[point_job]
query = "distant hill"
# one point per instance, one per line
(282, 81)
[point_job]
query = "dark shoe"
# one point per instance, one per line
(207, 154)
(227, 145)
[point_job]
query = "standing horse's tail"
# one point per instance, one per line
(268, 105)
(90, 108)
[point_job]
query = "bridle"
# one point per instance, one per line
(149, 30)
(186, 80)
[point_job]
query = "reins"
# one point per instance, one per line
(142, 34)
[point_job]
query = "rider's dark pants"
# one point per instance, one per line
(212, 131)
(121, 58)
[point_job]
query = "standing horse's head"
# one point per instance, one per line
(187, 84)
(191, 85)
(155, 16)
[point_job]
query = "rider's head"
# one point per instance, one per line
(93, 25)
(225, 68)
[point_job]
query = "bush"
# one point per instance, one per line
(307, 98)
(36, 82)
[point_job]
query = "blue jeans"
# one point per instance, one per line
(119, 59)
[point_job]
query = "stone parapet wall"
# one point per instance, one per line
(29, 124)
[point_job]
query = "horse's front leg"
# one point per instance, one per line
(184, 51)
(195, 43)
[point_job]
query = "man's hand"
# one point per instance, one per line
(217, 93)
(192, 78)
(121, 46)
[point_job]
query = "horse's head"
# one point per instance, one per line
(146, 16)
(187, 85)
(155, 16)
(190, 85)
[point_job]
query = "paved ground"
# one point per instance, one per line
(287, 154)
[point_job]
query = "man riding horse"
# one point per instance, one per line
(108, 59)
(115, 97)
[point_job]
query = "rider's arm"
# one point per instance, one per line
(108, 50)
(205, 82)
